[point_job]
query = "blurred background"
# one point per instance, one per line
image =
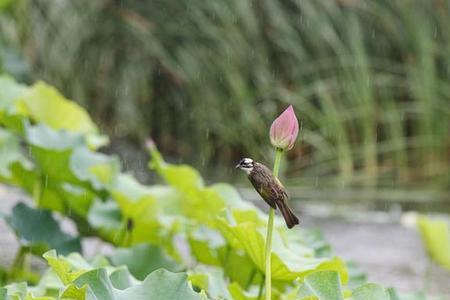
(370, 82)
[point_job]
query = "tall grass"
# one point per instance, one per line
(371, 79)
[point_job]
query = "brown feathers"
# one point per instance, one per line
(272, 191)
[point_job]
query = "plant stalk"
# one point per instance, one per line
(276, 167)
(37, 191)
(261, 287)
(17, 267)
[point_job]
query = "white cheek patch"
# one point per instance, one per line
(248, 170)
(248, 161)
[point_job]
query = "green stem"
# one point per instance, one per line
(276, 164)
(121, 235)
(37, 191)
(276, 167)
(17, 267)
(250, 278)
(261, 285)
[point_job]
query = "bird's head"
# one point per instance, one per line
(246, 165)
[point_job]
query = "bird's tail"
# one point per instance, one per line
(289, 217)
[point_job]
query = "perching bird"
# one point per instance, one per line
(269, 187)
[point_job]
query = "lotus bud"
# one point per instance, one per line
(284, 130)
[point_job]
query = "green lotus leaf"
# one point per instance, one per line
(435, 235)
(77, 199)
(14, 123)
(10, 153)
(22, 175)
(69, 199)
(287, 265)
(251, 215)
(51, 194)
(202, 204)
(309, 239)
(239, 267)
(134, 200)
(165, 231)
(43, 136)
(105, 215)
(393, 295)
(232, 197)
(121, 278)
(14, 291)
(356, 276)
(183, 177)
(206, 245)
(99, 284)
(152, 231)
(43, 103)
(370, 291)
(159, 285)
(48, 285)
(198, 201)
(10, 90)
(127, 185)
(38, 230)
(143, 259)
(97, 168)
(299, 240)
(70, 267)
(97, 280)
(72, 292)
(48, 196)
(52, 151)
(63, 179)
(63, 156)
(211, 280)
(140, 210)
(325, 285)
(169, 199)
(238, 293)
(95, 141)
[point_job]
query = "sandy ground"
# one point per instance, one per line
(388, 252)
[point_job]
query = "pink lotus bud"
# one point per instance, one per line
(284, 130)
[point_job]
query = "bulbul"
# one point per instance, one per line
(269, 187)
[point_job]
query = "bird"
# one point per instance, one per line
(269, 188)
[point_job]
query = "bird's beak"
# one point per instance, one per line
(237, 166)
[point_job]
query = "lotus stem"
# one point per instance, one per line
(276, 167)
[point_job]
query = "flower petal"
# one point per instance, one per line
(284, 129)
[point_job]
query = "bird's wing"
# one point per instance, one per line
(264, 191)
(280, 190)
